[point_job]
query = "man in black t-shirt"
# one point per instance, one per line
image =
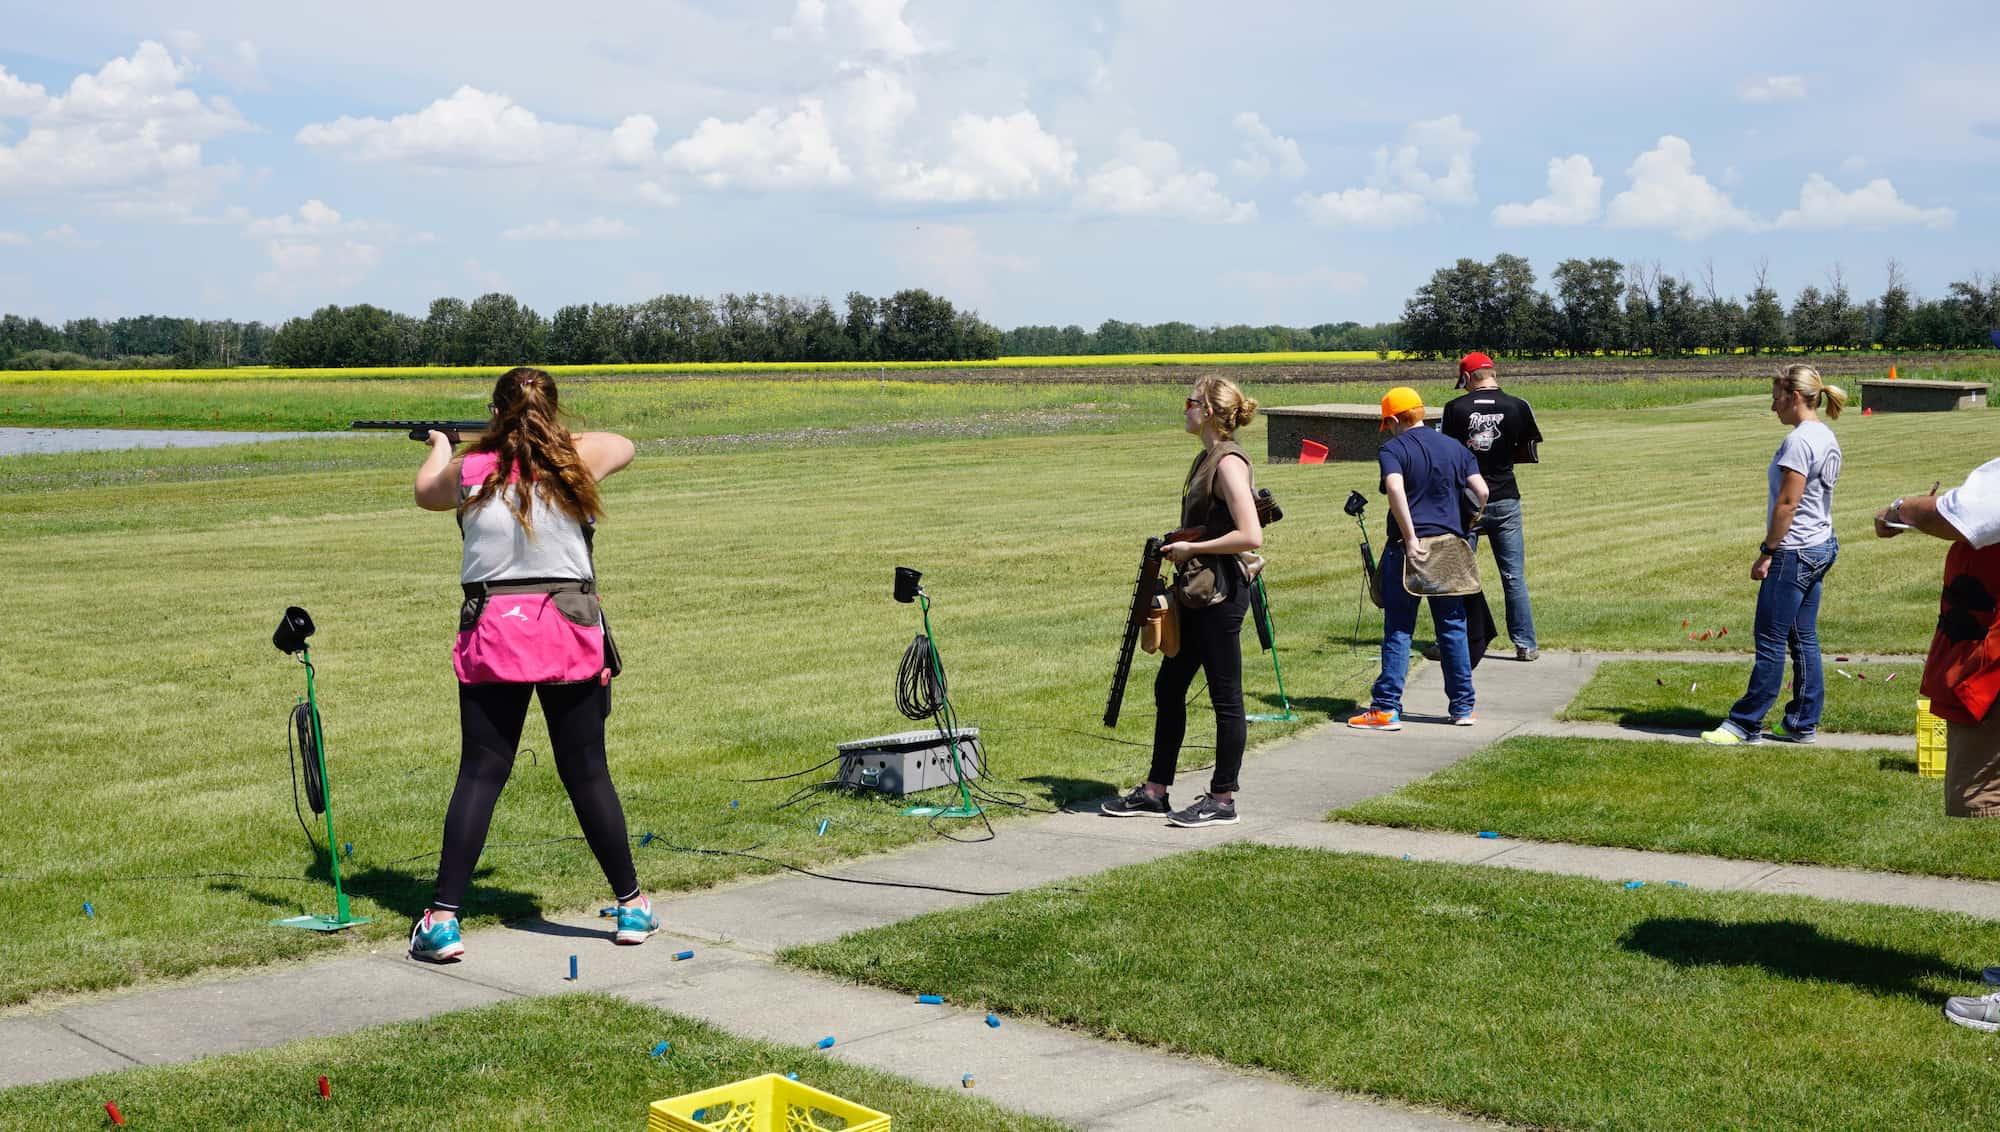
(1500, 430)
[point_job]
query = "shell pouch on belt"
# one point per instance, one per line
(524, 634)
(1962, 673)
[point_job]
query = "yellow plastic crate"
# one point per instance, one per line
(1930, 742)
(770, 1103)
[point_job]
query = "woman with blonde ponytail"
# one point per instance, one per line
(1218, 499)
(1792, 561)
(530, 628)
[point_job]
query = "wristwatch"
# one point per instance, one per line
(1765, 550)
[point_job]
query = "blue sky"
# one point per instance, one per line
(1040, 162)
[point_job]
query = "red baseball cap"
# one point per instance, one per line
(1471, 364)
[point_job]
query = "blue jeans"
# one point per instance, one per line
(1510, 553)
(1399, 620)
(1788, 623)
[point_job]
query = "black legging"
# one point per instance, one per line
(1210, 642)
(490, 720)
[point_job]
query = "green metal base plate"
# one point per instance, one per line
(942, 812)
(1267, 717)
(318, 923)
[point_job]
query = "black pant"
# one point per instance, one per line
(490, 718)
(1210, 642)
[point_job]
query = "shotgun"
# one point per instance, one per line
(421, 430)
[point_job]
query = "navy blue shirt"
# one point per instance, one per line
(1435, 469)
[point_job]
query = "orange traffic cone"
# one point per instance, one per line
(1892, 373)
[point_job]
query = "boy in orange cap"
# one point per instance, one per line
(1424, 474)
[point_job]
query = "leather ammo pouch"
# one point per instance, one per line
(1198, 584)
(1448, 570)
(1162, 631)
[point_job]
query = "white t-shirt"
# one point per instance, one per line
(1974, 506)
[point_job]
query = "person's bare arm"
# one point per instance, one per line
(437, 480)
(1399, 508)
(1919, 512)
(604, 453)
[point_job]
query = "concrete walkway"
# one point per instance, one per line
(733, 982)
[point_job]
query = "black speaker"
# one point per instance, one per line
(293, 629)
(907, 588)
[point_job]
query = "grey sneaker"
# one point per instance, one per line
(1982, 1013)
(1136, 804)
(1778, 734)
(1526, 652)
(1206, 811)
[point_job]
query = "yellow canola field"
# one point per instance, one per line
(367, 373)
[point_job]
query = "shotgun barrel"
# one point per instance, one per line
(1143, 591)
(421, 430)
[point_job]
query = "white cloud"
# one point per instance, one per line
(1772, 88)
(484, 279)
(1668, 194)
(1265, 152)
(477, 128)
(18, 97)
(997, 158)
(595, 228)
(1364, 208)
(872, 108)
(655, 193)
(12, 240)
(948, 258)
(128, 136)
(1873, 205)
(68, 237)
(1146, 179)
(1427, 143)
(1855, 163)
(316, 250)
(882, 28)
(808, 22)
(763, 151)
(1403, 185)
(1575, 195)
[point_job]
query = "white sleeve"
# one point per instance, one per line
(1974, 506)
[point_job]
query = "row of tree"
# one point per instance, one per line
(496, 329)
(1603, 306)
(1115, 337)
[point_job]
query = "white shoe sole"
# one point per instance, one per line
(1972, 1024)
(448, 954)
(1132, 813)
(631, 937)
(1366, 727)
(1200, 824)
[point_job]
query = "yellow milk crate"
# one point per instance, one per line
(770, 1103)
(1930, 742)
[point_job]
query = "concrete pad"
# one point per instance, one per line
(534, 962)
(178, 1024)
(1234, 1101)
(1614, 864)
(1383, 841)
(30, 1047)
(771, 915)
(1971, 897)
(1844, 741)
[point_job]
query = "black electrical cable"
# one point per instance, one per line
(291, 764)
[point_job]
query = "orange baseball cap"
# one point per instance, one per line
(1397, 401)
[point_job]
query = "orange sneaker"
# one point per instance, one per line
(1374, 719)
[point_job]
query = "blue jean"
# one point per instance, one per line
(1399, 620)
(1502, 523)
(1788, 624)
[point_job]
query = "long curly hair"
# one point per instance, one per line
(529, 436)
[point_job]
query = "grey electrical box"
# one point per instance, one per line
(907, 762)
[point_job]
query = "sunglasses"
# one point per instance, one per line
(1194, 402)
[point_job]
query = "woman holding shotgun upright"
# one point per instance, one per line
(1218, 502)
(527, 501)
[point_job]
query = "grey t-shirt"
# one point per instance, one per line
(1812, 451)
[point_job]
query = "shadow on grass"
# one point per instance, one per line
(408, 895)
(1333, 707)
(1076, 795)
(1899, 766)
(1647, 719)
(1791, 950)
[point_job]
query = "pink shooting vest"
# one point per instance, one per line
(524, 628)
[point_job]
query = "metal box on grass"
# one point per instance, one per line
(909, 761)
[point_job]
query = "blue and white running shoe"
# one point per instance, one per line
(636, 921)
(435, 941)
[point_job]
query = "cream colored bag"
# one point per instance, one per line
(1449, 568)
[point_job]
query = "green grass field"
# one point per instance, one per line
(1862, 809)
(571, 1061)
(146, 771)
(1551, 1002)
(1647, 693)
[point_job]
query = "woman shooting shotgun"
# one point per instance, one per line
(527, 501)
(1212, 594)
